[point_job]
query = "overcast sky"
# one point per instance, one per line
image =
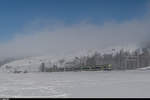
(56, 27)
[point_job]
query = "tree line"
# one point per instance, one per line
(121, 60)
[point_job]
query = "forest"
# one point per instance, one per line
(121, 60)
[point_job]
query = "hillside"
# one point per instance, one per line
(32, 64)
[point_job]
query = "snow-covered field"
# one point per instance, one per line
(133, 83)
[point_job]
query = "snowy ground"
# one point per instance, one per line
(76, 84)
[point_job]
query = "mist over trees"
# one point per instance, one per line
(121, 60)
